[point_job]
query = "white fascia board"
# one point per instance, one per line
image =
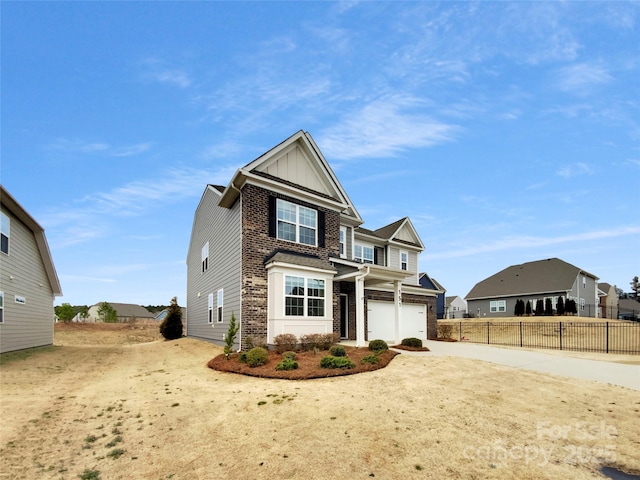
(301, 268)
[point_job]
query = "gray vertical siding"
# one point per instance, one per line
(31, 324)
(221, 227)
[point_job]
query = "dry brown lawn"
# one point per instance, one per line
(105, 406)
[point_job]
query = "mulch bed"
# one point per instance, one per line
(411, 349)
(308, 365)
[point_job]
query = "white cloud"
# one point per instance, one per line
(77, 146)
(575, 169)
(581, 78)
(131, 150)
(384, 128)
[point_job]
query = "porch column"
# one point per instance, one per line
(360, 341)
(397, 302)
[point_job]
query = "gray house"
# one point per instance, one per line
(283, 249)
(125, 312)
(552, 279)
(28, 279)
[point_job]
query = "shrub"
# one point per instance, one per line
(287, 364)
(290, 355)
(338, 351)
(251, 342)
(171, 326)
(378, 346)
(257, 356)
(412, 342)
(445, 331)
(230, 337)
(243, 357)
(336, 362)
(285, 342)
(321, 341)
(372, 359)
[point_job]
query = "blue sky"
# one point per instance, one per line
(507, 132)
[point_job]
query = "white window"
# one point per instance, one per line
(584, 281)
(404, 260)
(498, 306)
(363, 253)
(343, 242)
(210, 308)
(1, 307)
(205, 257)
(5, 227)
(220, 298)
(582, 304)
(304, 297)
(297, 223)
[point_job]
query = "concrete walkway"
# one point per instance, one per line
(605, 372)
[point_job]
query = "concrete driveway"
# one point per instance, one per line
(599, 371)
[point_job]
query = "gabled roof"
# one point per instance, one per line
(128, 310)
(300, 260)
(424, 278)
(539, 277)
(295, 167)
(12, 205)
(401, 232)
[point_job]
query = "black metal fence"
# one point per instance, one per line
(603, 337)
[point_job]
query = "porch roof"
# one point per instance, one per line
(374, 273)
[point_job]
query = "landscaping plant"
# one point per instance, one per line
(230, 337)
(171, 326)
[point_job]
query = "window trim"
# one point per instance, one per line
(220, 303)
(1, 307)
(297, 224)
(498, 306)
(404, 265)
(361, 258)
(306, 296)
(204, 256)
(5, 222)
(343, 242)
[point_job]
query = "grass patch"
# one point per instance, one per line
(90, 475)
(9, 357)
(115, 453)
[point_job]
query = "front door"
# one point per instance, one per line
(344, 316)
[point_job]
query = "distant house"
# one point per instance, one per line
(628, 309)
(552, 279)
(283, 249)
(124, 311)
(455, 307)
(608, 300)
(431, 283)
(160, 316)
(28, 279)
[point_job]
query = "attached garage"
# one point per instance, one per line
(381, 321)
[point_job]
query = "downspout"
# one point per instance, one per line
(360, 306)
(240, 327)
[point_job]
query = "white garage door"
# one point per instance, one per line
(381, 321)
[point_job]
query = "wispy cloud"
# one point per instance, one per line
(384, 128)
(83, 147)
(527, 242)
(575, 169)
(157, 70)
(582, 78)
(131, 150)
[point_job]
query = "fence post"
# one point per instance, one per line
(560, 335)
(520, 334)
(607, 330)
(488, 334)
(460, 336)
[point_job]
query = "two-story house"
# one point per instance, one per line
(282, 248)
(28, 279)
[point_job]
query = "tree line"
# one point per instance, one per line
(66, 312)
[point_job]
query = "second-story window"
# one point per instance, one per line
(4, 233)
(363, 253)
(404, 260)
(205, 257)
(343, 242)
(297, 223)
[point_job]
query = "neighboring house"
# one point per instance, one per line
(124, 311)
(281, 248)
(628, 309)
(608, 300)
(28, 279)
(431, 283)
(552, 278)
(456, 307)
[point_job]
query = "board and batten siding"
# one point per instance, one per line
(221, 227)
(22, 273)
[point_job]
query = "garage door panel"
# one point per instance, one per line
(381, 321)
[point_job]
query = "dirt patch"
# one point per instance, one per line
(154, 410)
(106, 333)
(308, 365)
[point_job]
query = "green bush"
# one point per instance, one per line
(257, 356)
(287, 364)
(243, 357)
(338, 351)
(285, 342)
(378, 346)
(372, 359)
(171, 326)
(290, 355)
(336, 362)
(412, 342)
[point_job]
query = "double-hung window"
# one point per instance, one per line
(304, 297)
(205, 257)
(220, 302)
(363, 253)
(5, 227)
(498, 306)
(210, 308)
(297, 223)
(404, 260)
(343, 242)
(1, 307)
